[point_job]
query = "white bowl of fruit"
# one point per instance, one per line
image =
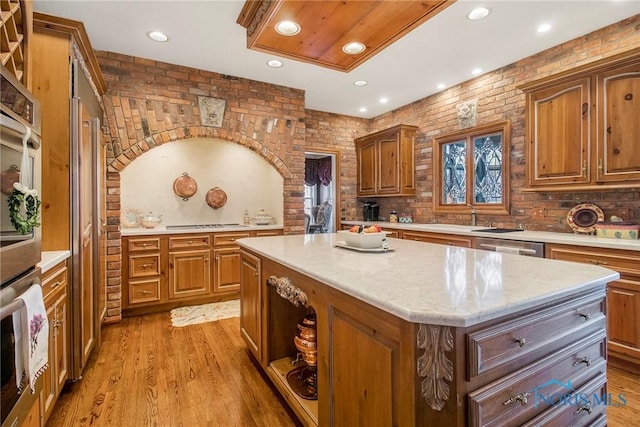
(364, 236)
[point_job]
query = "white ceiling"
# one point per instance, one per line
(204, 34)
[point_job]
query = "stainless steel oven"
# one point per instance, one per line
(14, 405)
(19, 134)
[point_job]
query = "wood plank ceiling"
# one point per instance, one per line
(326, 26)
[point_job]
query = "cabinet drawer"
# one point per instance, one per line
(146, 291)
(621, 261)
(530, 391)
(526, 338)
(53, 280)
(189, 242)
(228, 239)
(146, 244)
(267, 233)
(144, 265)
(441, 239)
(578, 414)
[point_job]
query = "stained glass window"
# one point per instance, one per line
(473, 170)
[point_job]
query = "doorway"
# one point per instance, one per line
(321, 182)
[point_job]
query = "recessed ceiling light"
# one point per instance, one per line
(441, 86)
(478, 13)
(274, 63)
(544, 28)
(157, 36)
(360, 83)
(476, 71)
(383, 100)
(287, 28)
(363, 110)
(353, 48)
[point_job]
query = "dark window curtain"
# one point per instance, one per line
(317, 171)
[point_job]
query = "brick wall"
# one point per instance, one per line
(499, 99)
(150, 103)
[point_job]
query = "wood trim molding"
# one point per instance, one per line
(79, 33)
(288, 290)
(434, 365)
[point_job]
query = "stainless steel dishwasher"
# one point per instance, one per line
(517, 247)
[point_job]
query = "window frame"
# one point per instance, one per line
(468, 135)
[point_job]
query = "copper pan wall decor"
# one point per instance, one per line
(185, 186)
(216, 197)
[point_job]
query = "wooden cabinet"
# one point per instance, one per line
(439, 238)
(68, 82)
(623, 298)
(385, 162)
(143, 272)
(161, 272)
(55, 294)
(374, 368)
(251, 303)
(582, 127)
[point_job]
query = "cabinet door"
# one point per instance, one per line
(366, 160)
(49, 377)
(619, 124)
(558, 127)
(189, 274)
(389, 164)
(251, 303)
(226, 269)
(623, 313)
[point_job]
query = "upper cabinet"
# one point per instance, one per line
(15, 35)
(582, 125)
(386, 162)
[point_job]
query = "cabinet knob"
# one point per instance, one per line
(521, 398)
(586, 316)
(146, 265)
(600, 166)
(190, 242)
(585, 108)
(587, 408)
(586, 360)
(520, 341)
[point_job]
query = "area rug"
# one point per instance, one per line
(193, 315)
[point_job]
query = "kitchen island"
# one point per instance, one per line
(426, 334)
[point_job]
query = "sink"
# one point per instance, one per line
(498, 230)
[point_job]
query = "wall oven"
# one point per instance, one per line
(14, 405)
(19, 134)
(20, 164)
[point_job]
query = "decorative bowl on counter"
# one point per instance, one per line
(150, 220)
(262, 218)
(617, 230)
(363, 240)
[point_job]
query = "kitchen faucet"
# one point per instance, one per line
(474, 215)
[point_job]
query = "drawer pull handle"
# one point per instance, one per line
(586, 360)
(587, 408)
(144, 245)
(586, 316)
(520, 341)
(145, 292)
(190, 242)
(146, 265)
(520, 398)
(55, 285)
(598, 262)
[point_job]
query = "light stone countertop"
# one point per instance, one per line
(525, 235)
(429, 283)
(50, 259)
(141, 231)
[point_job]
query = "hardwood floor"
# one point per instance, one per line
(151, 374)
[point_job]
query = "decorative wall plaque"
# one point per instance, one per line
(433, 365)
(467, 112)
(211, 111)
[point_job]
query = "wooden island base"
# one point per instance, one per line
(376, 369)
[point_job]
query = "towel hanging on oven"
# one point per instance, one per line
(31, 330)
